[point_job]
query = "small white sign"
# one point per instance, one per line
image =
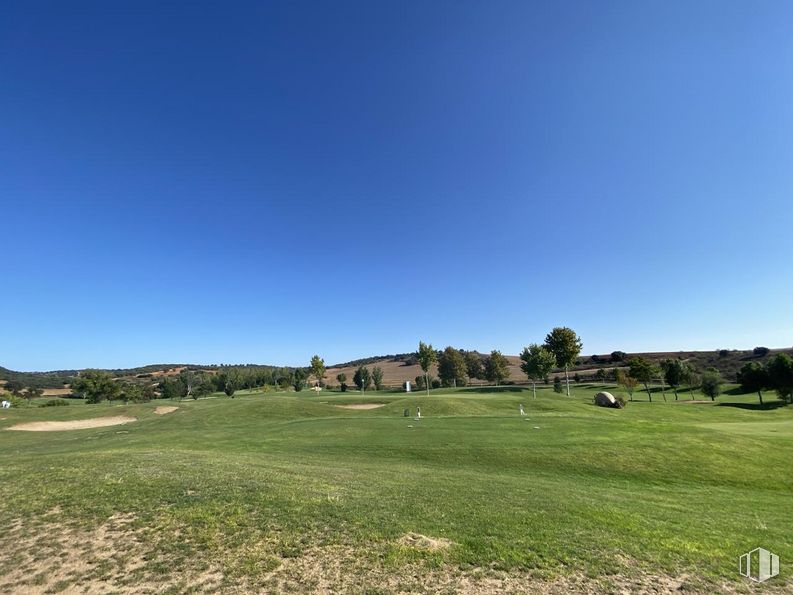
(407, 386)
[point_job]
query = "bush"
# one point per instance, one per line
(435, 383)
(54, 403)
(761, 351)
(724, 352)
(557, 384)
(621, 400)
(618, 356)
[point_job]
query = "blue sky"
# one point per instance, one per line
(259, 182)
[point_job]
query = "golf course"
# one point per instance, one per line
(312, 492)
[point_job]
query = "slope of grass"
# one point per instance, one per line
(242, 486)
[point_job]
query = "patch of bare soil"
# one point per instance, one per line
(163, 409)
(77, 424)
(49, 555)
(339, 569)
(58, 558)
(362, 406)
(423, 542)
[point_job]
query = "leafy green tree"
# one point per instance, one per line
(618, 356)
(452, 368)
(496, 367)
(342, 378)
(473, 365)
(203, 385)
(15, 387)
(172, 388)
(566, 347)
(711, 383)
(643, 371)
(537, 363)
(33, 393)
(601, 375)
(753, 378)
(95, 386)
(148, 393)
(131, 392)
(362, 378)
(299, 379)
(426, 356)
(780, 376)
(674, 373)
(690, 378)
(377, 377)
(229, 389)
(318, 369)
(627, 381)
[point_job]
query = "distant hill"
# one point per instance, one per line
(401, 367)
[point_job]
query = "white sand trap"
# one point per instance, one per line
(362, 406)
(77, 424)
(163, 409)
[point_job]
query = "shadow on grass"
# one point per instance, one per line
(755, 406)
(499, 389)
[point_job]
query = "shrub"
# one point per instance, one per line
(761, 351)
(435, 383)
(618, 356)
(557, 384)
(54, 403)
(711, 383)
(621, 400)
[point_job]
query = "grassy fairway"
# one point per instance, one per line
(279, 491)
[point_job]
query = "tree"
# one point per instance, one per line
(780, 376)
(566, 346)
(711, 383)
(753, 378)
(362, 378)
(537, 363)
(689, 378)
(473, 365)
(15, 387)
(601, 375)
(627, 381)
(452, 368)
(618, 356)
(131, 392)
(426, 356)
(377, 377)
(230, 389)
(557, 385)
(95, 386)
(342, 378)
(674, 372)
(318, 369)
(496, 367)
(760, 351)
(299, 379)
(643, 371)
(33, 393)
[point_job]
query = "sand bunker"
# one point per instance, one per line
(77, 424)
(163, 409)
(362, 406)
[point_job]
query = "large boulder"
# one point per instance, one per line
(604, 399)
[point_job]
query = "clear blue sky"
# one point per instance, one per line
(258, 182)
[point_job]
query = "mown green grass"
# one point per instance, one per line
(665, 488)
